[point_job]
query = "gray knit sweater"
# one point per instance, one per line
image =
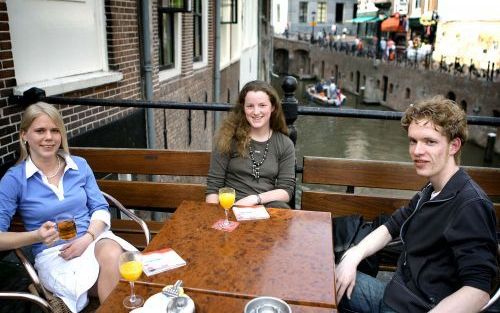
(277, 171)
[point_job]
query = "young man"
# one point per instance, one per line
(448, 229)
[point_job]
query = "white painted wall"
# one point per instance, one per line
(460, 10)
(279, 18)
(55, 39)
(468, 34)
(249, 42)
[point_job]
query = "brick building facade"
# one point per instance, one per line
(123, 36)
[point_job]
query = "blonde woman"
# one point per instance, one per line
(253, 153)
(46, 182)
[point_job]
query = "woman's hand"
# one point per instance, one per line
(75, 248)
(248, 200)
(47, 233)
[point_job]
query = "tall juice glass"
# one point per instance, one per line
(226, 200)
(131, 270)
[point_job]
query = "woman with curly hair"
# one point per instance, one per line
(253, 153)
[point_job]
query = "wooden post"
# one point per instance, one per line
(290, 105)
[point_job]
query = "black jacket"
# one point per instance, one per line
(449, 241)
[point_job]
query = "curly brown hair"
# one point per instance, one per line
(442, 112)
(235, 129)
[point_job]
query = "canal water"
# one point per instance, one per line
(358, 138)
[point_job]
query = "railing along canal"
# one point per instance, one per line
(290, 103)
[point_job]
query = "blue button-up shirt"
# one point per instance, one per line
(26, 190)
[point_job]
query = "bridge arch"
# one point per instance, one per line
(281, 61)
(301, 63)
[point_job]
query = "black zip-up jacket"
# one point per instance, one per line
(449, 241)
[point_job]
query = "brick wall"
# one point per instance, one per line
(8, 114)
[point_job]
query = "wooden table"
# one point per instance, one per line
(288, 256)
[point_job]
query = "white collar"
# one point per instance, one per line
(31, 168)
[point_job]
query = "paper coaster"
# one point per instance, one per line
(219, 225)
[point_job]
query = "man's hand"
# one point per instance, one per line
(47, 233)
(345, 273)
(75, 248)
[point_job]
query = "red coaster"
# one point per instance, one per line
(219, 225)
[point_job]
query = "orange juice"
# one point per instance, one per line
(226, 200)
(131, 270)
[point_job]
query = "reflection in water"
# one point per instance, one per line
(361, 138)
(358, 147)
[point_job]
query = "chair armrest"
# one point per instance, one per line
(44, 305)
(493, 299)
(31, 271)
(131, 215)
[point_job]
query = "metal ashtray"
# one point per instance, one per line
(267, 305)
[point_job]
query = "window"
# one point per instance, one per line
(167, 40)
(302, 12)
(229, 12)
(339, 13)
(198, 31)
(69, 37)
(322, 12)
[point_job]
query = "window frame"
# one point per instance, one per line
(303, 6)
(322, 12)
(161, 55)
(339, 17)
(197, 26)
(233, 12)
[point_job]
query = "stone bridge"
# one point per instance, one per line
(292, 57)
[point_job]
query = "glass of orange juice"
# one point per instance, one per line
(131, 269)
(226, 200)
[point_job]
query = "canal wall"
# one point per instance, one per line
(395, 86)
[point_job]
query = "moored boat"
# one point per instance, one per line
(321, 97)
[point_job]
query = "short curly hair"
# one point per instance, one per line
(442, 112)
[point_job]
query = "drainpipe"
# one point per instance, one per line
(148, 70)
(148, 83)
(217, 115)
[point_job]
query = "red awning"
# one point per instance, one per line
(392, 24)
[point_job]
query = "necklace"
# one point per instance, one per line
(256, 165)
(57, 170)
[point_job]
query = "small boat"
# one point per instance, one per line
(322, 98)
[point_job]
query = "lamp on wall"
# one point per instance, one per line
(175, 5)
(313, 23)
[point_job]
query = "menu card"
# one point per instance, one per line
(248, 213)
(160, 261)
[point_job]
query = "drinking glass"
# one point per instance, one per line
(66, 226)
(226, 199)
(131, 270)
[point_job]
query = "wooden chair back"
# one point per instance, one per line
(148, 195)
(374, 174)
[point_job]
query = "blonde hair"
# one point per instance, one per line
(235, 130)
(30, 114)
(442, 112)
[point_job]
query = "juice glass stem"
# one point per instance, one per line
(132, 293)
(226, 222)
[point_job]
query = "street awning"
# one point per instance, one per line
(364, 19)
(392, 24)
